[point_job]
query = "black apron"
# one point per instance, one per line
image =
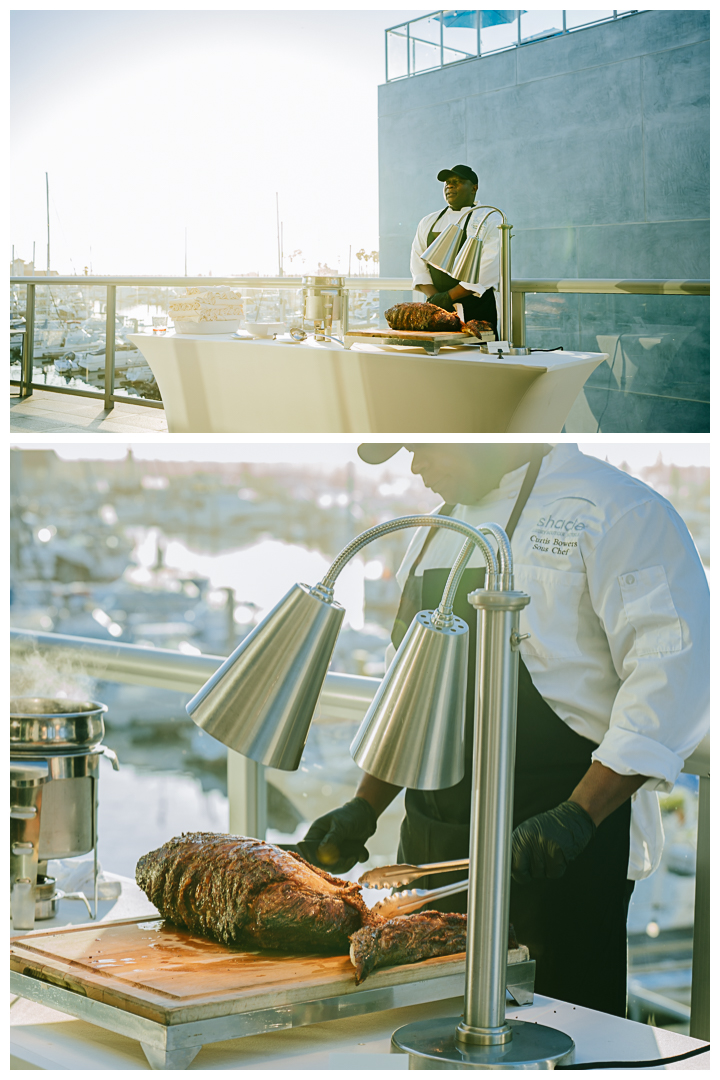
(575, 926)
(474, 307)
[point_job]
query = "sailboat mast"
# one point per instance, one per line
(47, 203)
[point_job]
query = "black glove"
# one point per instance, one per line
(543, 845)
(442, 299)
(336, 841)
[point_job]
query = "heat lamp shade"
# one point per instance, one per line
(467, 265)
(261, 700)
(444, 249)
(413, 733)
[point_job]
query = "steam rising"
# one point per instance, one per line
(56, 674)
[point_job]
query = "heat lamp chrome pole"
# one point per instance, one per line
(483, 1038)
(483, 1022)
(505, 282)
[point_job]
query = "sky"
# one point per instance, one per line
(174, 130)
(637, 454)
(151, 122)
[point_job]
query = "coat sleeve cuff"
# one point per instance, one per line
(628, 752)
(477, 288)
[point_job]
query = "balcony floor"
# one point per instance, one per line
(49, 412)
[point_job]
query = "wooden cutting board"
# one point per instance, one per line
(152, 969)
(449, 337)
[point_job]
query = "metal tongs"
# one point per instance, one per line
(388, 877)
(403, 903)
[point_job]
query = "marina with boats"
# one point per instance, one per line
(70, 328)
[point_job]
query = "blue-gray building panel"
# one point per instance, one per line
(596, 146)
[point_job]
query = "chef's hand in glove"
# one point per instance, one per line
(336, 841)
(442, 299)
(543, 845)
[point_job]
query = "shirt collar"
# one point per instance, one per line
(553, 460)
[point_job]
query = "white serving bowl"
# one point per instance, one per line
(187, 326)
(264, 329)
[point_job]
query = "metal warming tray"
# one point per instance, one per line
(175, 992)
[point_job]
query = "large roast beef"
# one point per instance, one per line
(247, 892)
(422, 317)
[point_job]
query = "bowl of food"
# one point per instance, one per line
(207, 326)
(264, 329)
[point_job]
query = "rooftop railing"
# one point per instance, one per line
(345, 697)
(259, 288)
(282, 286)
(450, 37)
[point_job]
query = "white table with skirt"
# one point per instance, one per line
(226, 383)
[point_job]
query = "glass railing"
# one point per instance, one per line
(448, 37)
(657, 339)
(72, 319)
(655, 332)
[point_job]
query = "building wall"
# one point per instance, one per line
(596, 146)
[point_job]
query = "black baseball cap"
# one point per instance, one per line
(463, 171)
(376, 453)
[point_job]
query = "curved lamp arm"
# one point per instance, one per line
(491, 210)
(475, 537)
(444, 611)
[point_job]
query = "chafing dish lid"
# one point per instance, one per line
(39, 723)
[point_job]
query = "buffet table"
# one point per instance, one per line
(227, 383)
(45, 1038)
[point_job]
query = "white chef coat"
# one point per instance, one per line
(489, 258)
(618, 618)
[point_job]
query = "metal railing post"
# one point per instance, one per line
(110, 303)
(26, 372)
(517, 305)
(247, 796)
(700, 992)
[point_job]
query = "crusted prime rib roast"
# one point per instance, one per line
(478, 327)
(409, 938)
(429, 317)
(246, 892)
(422, 317)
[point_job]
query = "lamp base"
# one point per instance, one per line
(432, 1045)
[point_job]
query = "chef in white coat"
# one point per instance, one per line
(460, 186)
(613, 696)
